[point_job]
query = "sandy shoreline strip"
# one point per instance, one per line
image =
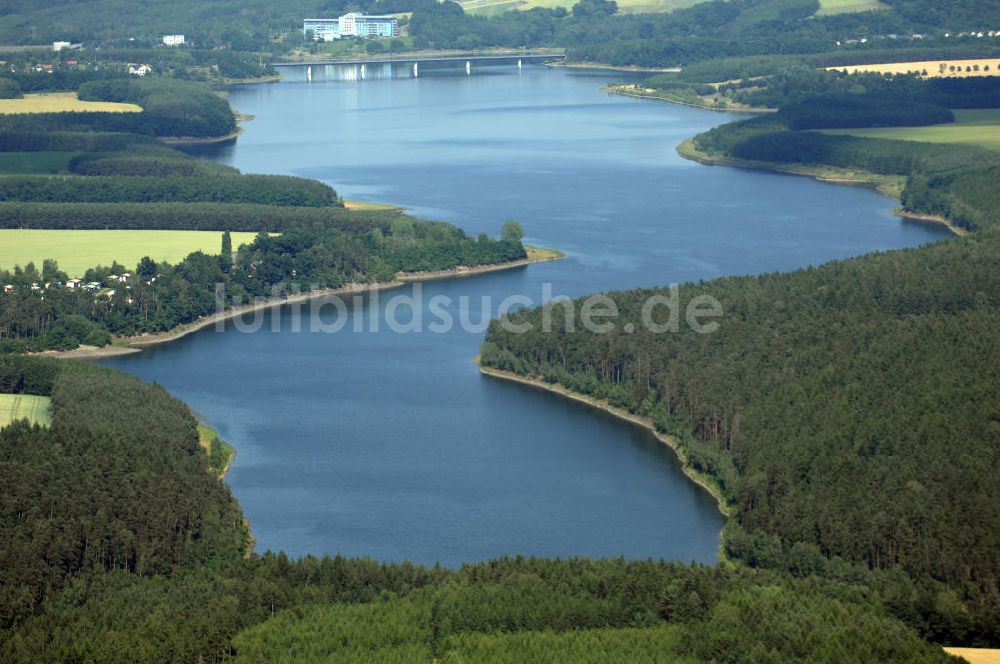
(562, 64)
(930, 219)
(129, 345)
(620, 413)
(639, 93)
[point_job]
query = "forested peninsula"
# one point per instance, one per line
(846, 413)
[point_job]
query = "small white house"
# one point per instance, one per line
(74, 283)
(139, 70)
(173, 40)
(60, 45)
(9, 288)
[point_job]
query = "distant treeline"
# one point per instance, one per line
(35, 139)
(62, 79)
(881, 156)
(866, 97)
(9, 89)
(280, 190)
(170, 108)
(182, 216)
(812, 98)
(728, 69)
(829, 112)
(146, 161)
(226, 62)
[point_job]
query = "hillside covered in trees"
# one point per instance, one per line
(120, 545)
(847, 412)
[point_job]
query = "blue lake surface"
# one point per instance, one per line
(393, 446)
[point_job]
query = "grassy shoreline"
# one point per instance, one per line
(706, 482)
(597, 65)
(220, 453)
(135, 344)
(706, 103)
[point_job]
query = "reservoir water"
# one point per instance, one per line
(392, 445)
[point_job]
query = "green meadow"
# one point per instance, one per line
(24, 406)
(76, 251)
(979, 126)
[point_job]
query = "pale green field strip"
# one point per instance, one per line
(76, 251)
(828, 7)
(24, 406)
(980, 126)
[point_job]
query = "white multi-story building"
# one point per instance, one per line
(321, 29)
(173, 40)
(350, 25)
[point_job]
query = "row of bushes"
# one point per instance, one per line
(828, 112)
(30, 138)
(159, 161)
(186, 217)
(727, 69)
(280, 190)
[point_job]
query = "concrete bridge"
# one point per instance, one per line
(403, 58)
